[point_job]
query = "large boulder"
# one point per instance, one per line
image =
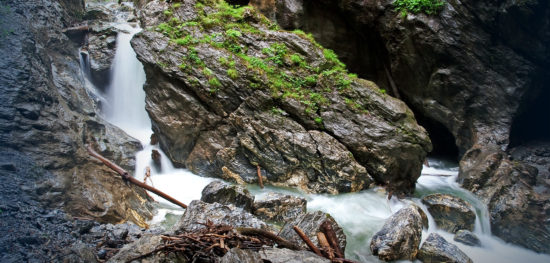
(247, 96)
(235, 255)
(223, 193)
(199, 213)
(450, 212)
(399, 238)
(279, 207)
(284, 255)
(436, 249)
(48, 114)
(310, 224)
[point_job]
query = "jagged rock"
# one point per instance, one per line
(48, 114)
(437, 249)
(399, 238)
(279, 208)
(142, 246)
(236, 255)
(466, 237)
(310, 223)
(223, 193)
(516, 194)
(199, 212)
(354, 137)
(284, 255)
(450, 213)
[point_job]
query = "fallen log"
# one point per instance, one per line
(306, 239)
(263, 233)
(260, 180)
(326, 228)
(127, 177)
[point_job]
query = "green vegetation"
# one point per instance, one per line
(430, 7)
(275, 68)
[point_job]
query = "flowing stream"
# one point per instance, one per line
(360, 214)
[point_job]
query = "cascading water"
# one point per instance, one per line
(360, 214)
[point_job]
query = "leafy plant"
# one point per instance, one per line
(429, 7)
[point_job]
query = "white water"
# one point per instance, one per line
(360, 214)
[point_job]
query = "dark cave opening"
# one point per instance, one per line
(532, 122)
(443, 141)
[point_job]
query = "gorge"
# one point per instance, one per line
(227, 93)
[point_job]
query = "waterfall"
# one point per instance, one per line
(126, 99)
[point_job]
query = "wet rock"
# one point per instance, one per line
(241, 255)
(310, 224)
(223, 193)
(155, 156)
(399, 238)
(279, 207)
(450, 213)
(516, 193)
(466, 237)
(437, 249)
(198, 213)
(284, 255)
(337, 148)
(142, 246)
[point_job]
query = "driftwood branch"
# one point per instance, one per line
(126, 176)
(326, 247)
(306, 239)
(263, 233)
(332, 239)
(260, 180)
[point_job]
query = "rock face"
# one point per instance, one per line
(198, 213)
(283, 255)
(47, 113)
(280, 208)
(472, 60)
(247, 95)
(241, 255)
(309, 223)
(223, 193)
(466, 237)
(399, 238)
(516, 192)
(437, 249)
(450, 213)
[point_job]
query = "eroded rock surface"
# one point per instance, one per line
(199, 213)
(450, 212)
(248, 95)
(223, 193)
(279, 207)
(400, 236)
(437, 249)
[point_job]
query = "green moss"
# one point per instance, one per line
(318, 120)
(214, 82)
(232, 73)
(284, 73)
(429, 7)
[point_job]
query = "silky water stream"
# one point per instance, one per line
(360, 214)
